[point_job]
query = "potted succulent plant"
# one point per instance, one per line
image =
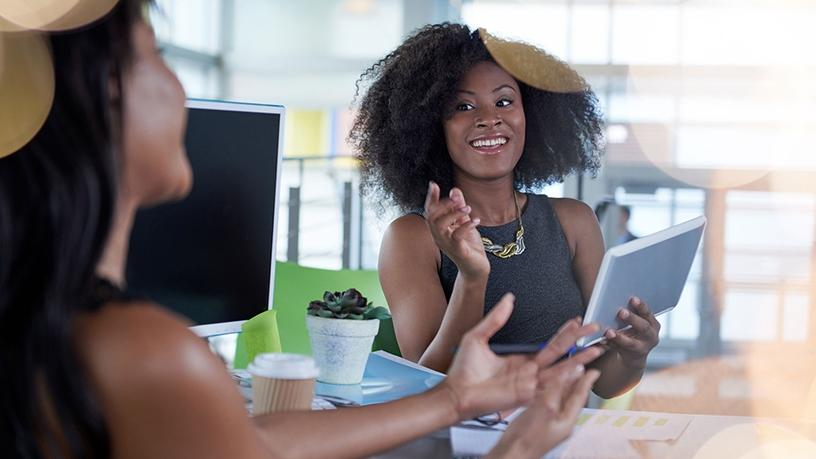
(342, 327)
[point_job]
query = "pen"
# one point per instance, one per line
(503, 349)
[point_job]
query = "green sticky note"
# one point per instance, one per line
(661, 422)
(582, 419)
(258, 335)
(641, 421)
(620, 421)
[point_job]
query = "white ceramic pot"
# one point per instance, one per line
(341, 347)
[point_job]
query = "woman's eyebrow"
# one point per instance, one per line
(465, 91)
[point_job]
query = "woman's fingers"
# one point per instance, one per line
(564, 341)
(642, 309)
(639, 324)
(568, 366)
(577, 397)
(461, 232)
(431, 197)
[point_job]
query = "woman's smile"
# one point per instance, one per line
(489, 145)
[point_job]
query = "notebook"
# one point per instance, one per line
(654, 268)
(386, 378)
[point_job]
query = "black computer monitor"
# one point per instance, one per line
(211, 257)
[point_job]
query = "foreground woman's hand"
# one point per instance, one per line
(481, 381)
(550, 418)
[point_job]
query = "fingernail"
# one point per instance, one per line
(635, 301)
(579, 369)
(476, 221)
(624, 314)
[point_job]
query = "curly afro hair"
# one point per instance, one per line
(398, 130)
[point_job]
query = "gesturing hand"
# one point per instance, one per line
(454, 232)
(562, 390)
(550, 418)
(634, 344)
(482, 381)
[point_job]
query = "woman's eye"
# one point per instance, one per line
(464, 107)
(503, 102)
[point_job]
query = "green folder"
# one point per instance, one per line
(258, 335)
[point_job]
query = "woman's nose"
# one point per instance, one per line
(487, 118)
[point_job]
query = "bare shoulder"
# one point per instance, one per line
(410, 227)
(409, 234)
(151, 375)
(569, 209)
(123, 340)
(577, 220)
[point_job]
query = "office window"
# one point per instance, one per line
(190, 32)
(589, 36)
(196, 24)
(767, 266)
(542, 24)
(645, 35)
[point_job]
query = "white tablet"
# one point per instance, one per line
(654, 268)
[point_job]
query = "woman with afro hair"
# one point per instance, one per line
(456, 142)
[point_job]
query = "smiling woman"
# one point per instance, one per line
(444, 126)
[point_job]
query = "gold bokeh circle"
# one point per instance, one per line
(26, 88)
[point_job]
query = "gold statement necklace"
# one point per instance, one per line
(511, 248)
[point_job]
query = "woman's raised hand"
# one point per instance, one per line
(454, 232)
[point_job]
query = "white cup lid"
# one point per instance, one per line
(283, 366)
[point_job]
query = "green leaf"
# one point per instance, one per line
(355, 316)
(378, 313)
(325, 313)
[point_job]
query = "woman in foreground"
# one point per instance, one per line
(88, 371)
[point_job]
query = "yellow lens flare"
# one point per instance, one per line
(51, 15)
(26, 88)
(533, 66)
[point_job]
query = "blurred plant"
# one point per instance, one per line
(350, 304)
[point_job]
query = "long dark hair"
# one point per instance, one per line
(57, 198)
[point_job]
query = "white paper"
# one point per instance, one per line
(598, 433)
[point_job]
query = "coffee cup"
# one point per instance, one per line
(282, 382)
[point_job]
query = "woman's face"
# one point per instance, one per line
(485, 134)
(155, 168)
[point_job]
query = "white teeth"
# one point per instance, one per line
(489, 142)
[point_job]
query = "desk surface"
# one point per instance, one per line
(707, 437)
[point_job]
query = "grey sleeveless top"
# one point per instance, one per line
(541, 278)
